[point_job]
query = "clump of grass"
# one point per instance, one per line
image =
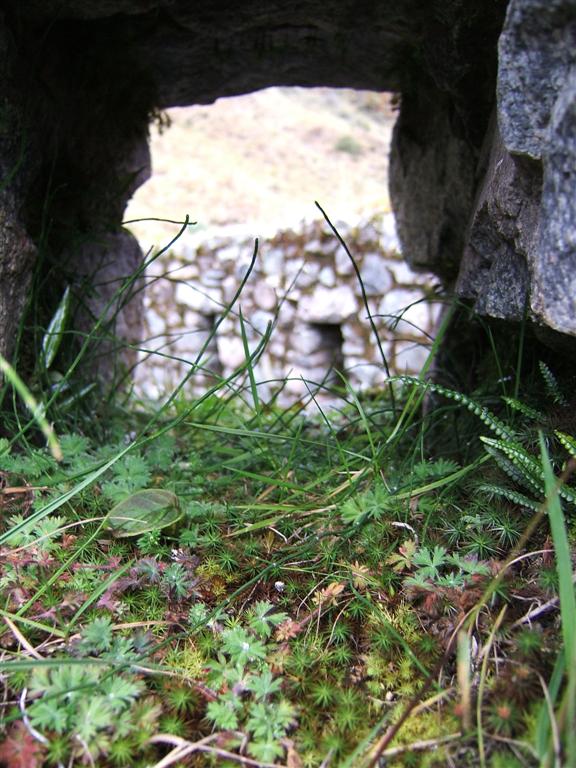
(349, 146)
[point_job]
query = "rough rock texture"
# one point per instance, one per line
(520, 255)
(431, 184)
(109, 299)
(81, 78)
(17, 249)
(73, 148)
(503, 237)
(554, 269)
(536, 52)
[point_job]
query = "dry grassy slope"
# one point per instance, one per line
(262, 159)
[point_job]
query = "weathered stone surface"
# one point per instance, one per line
(503, 237)
(376, 276)
(222, 48)
(329, 305)
(201, 298)
(520, 256)
(536, 51)
(103, 285)
(18, 256)
(265, 298)
(431, 184)
(231, 352)
(407, 309)
(554, 289)
(409, 356)
(90, 9)
(17, 248)
(71, 155)
(440, 131)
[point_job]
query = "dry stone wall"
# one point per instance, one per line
(305, 288)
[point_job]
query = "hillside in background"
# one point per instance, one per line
(262, 159)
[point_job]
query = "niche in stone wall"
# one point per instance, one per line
(252, 166)
(315, 358)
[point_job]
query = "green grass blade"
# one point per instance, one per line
(47, 628)
(36, 409)
(566, 594)
(250, 367)
(55, 504)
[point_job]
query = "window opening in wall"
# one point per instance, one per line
(252, 166)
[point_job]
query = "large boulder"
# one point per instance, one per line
(483, 157)
(520, 255)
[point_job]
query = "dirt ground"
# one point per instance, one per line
(262, 159)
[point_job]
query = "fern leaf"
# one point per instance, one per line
(551, 384)
(509, 495)
(531, 468)
(487, 417)
(568, 442)
(523, 468)
(518, 464)
(567, 493)
(509, 468)
(518, 455)
(524, 409)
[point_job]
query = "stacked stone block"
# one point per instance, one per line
(303, 297)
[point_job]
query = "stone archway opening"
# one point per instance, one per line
(252, 166)
(477, 183)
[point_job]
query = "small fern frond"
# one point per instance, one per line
(487, 417)
(567, 441)
(516, 462)
(510, 495)
(551, 384)
(567, 493)
(523, 468)
(525, 410)
(509, 469)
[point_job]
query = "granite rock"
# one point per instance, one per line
(554, 290)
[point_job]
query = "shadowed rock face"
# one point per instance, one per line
(80, 79)
(521, 247)
(195, 52)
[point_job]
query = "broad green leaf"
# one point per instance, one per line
(144, 511)
(53, 336)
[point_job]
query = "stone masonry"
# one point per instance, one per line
(304, 286)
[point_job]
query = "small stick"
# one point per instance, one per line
(544, 608)
(21, 639)
(419, 746)
(184, 748)
(26, 720)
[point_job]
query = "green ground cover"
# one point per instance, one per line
(221, 582)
